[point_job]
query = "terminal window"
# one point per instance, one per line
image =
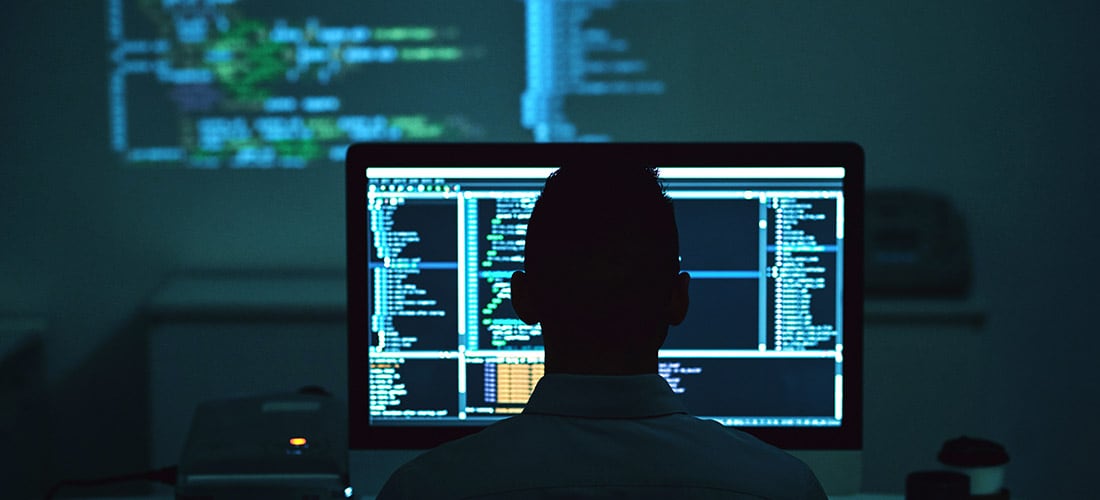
(762, 344)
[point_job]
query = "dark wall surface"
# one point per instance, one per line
(993, 103)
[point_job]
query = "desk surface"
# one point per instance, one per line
(862, 496)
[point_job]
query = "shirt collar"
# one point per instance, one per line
(603, 396)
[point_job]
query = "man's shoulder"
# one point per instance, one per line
(497, 442)
(534, 450)
(444, 471)
(708, 442)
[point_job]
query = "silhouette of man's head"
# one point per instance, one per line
(602, 269)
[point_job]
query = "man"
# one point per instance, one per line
(602, 276)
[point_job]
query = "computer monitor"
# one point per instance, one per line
(770, 234)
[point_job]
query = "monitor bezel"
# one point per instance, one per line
(363, 435)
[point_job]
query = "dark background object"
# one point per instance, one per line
(916, 245)
(966, 451)
(937, 485)
(22, 410)
(980, 459)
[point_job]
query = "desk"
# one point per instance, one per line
(862, 496)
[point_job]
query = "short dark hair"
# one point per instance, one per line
(602, 244)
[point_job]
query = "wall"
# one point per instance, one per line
(993, 103)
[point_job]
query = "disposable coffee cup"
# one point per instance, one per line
(983, 460)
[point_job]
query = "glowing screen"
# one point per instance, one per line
(763, 345)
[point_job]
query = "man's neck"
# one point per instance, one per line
(597, 363)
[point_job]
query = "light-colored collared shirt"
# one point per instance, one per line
(584, 436)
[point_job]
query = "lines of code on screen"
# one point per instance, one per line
(504, 221)
(762, 343)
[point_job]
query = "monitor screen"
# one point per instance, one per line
(770, 343)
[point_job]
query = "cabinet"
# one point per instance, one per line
(214, 336)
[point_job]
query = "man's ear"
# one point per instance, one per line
(678, 306)
(522, 302)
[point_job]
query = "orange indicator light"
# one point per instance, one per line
(297, 441)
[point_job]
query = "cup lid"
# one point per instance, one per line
(966, 451)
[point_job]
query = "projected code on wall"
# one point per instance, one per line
(228, 83)
(283, 84)
(566, 56)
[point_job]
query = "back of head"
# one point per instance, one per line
(602, 251)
